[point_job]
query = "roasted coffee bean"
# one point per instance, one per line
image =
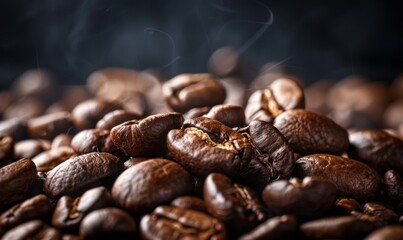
(30, 148)
(168, 180)
(282, 94)
(36, 82)
(385, 214)
(230, 115)
(6, 150)
(146, 137)
(133, 161)
(187, 91)
(275, 228)
(204, 146)
(348, 204)
(308, 132)
(37, 207)
(305, 198)
(50, 125)
(80, 173)
(371, 219)
(393, 185)
(351, 178)
(378, 149)
(108, 223)
(49, 159)
(178, 223)
(71, 237)
(69, 212)
(25, 108)
(273, 158)
(15, 128)
(16, 180)
(88, 113)
(35, 229)
(394, 232)
(231, 203)
(189, 202)
(94, 140)
(196, 112)
(61, 140)
(343, 227)
(115, 118)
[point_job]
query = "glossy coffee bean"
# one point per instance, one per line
(15, 128)
(16, 180)
(378, 149)
(47, 160)
(108, 223)
(307, 198)
(146, 137)
(282, 94)
(230, 115)
(167, 221)
(167, 180)
(80, 173)
(275, 228)
(94, 140)
(187, 91)
(393, 185)
(50, 125)
(189, 202)
(88, 113)
(348, 204)
(30, 148)
(394, 232)
(231, 203)
(133, 161)
(37, 207)
(383, 213)
(351, 178)
(35, 229)
(204, 146)
(115, 118)
(61, 140)
(308, 132)
(196, 112)
(6, 150)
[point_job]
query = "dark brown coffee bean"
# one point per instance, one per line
(93, 140)
(308, 132)
(187, 91)
(37, 207)
(343, 227)
(50, 125)
(35, 229)
(30, 148)
(80, 173)
(167, 221)
(6, 150)
(71, 237)
(378, 149)
(275, 228)
(307, 198)
(351, 178)
(231, 203)
(282, 94)
(383, 213)
(168, 180)
(189, 202)
(196, 112)
(146, 137)
(49, 159)
(61, 140)
(133, 161)
(394, 232)
(87, 114)
(108, 223)
(115, 118)
(25, 108)
(204, 146)
(348, 204)
(393, 185)
(69, 212)
(230, 115)
(15, 128)
(16, 180)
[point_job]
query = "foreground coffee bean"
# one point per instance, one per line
(50, 125)
(378, 149)
(108, 223)
(35, 229)
(146, 137)
(115, 118)
(49, 159)
(168, 221)
(229, 115)
(394, 232)
(308, 132)
(307, 198)
(6, 150)
(80, 173)
(231, 203)
(187, 91)
(168, 180)
(204, 146)
(351, 178)
(393, 185)
(276, 228)
(16, 179)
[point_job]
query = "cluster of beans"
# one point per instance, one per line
(131, 156)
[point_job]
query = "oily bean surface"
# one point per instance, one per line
(393, 185)
(230, 115)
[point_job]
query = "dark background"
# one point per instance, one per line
(324, 39)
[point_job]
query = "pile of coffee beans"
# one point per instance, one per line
(131, 155)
